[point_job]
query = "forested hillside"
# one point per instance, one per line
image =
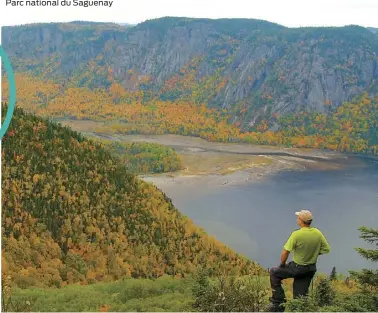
(253, 69)
(71, 213)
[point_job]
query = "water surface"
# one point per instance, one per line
(256, 219)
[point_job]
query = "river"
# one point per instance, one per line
(256, 218)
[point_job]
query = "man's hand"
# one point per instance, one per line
(282, 265)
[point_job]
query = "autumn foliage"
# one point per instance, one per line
(352, 127)
(72, 213)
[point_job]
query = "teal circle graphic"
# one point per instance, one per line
(12, 92)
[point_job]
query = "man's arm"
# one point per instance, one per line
(284, 256)
(324, 246)
(288, 247)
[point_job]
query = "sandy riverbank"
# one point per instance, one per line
(248, 172)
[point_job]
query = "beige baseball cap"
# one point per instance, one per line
(304, 215)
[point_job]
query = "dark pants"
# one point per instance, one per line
(302, 278)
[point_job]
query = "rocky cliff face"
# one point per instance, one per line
(249, 67)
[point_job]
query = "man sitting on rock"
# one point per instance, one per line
(306, 243)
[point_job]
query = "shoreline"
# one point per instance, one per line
(226, 164)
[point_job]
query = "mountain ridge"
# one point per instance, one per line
(251, 68)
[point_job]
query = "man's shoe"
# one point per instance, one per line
(274, 307)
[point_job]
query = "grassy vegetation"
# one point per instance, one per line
(161, 295)
(168, 294)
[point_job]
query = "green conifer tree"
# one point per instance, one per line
(333, 275)
(324, 293)
(366, 277)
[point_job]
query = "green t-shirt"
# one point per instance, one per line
(307, 243)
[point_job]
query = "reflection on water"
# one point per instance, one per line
(256, 219)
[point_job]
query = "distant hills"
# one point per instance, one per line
(372, 29)
(253, 69)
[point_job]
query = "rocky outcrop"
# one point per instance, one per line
(263, 68)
